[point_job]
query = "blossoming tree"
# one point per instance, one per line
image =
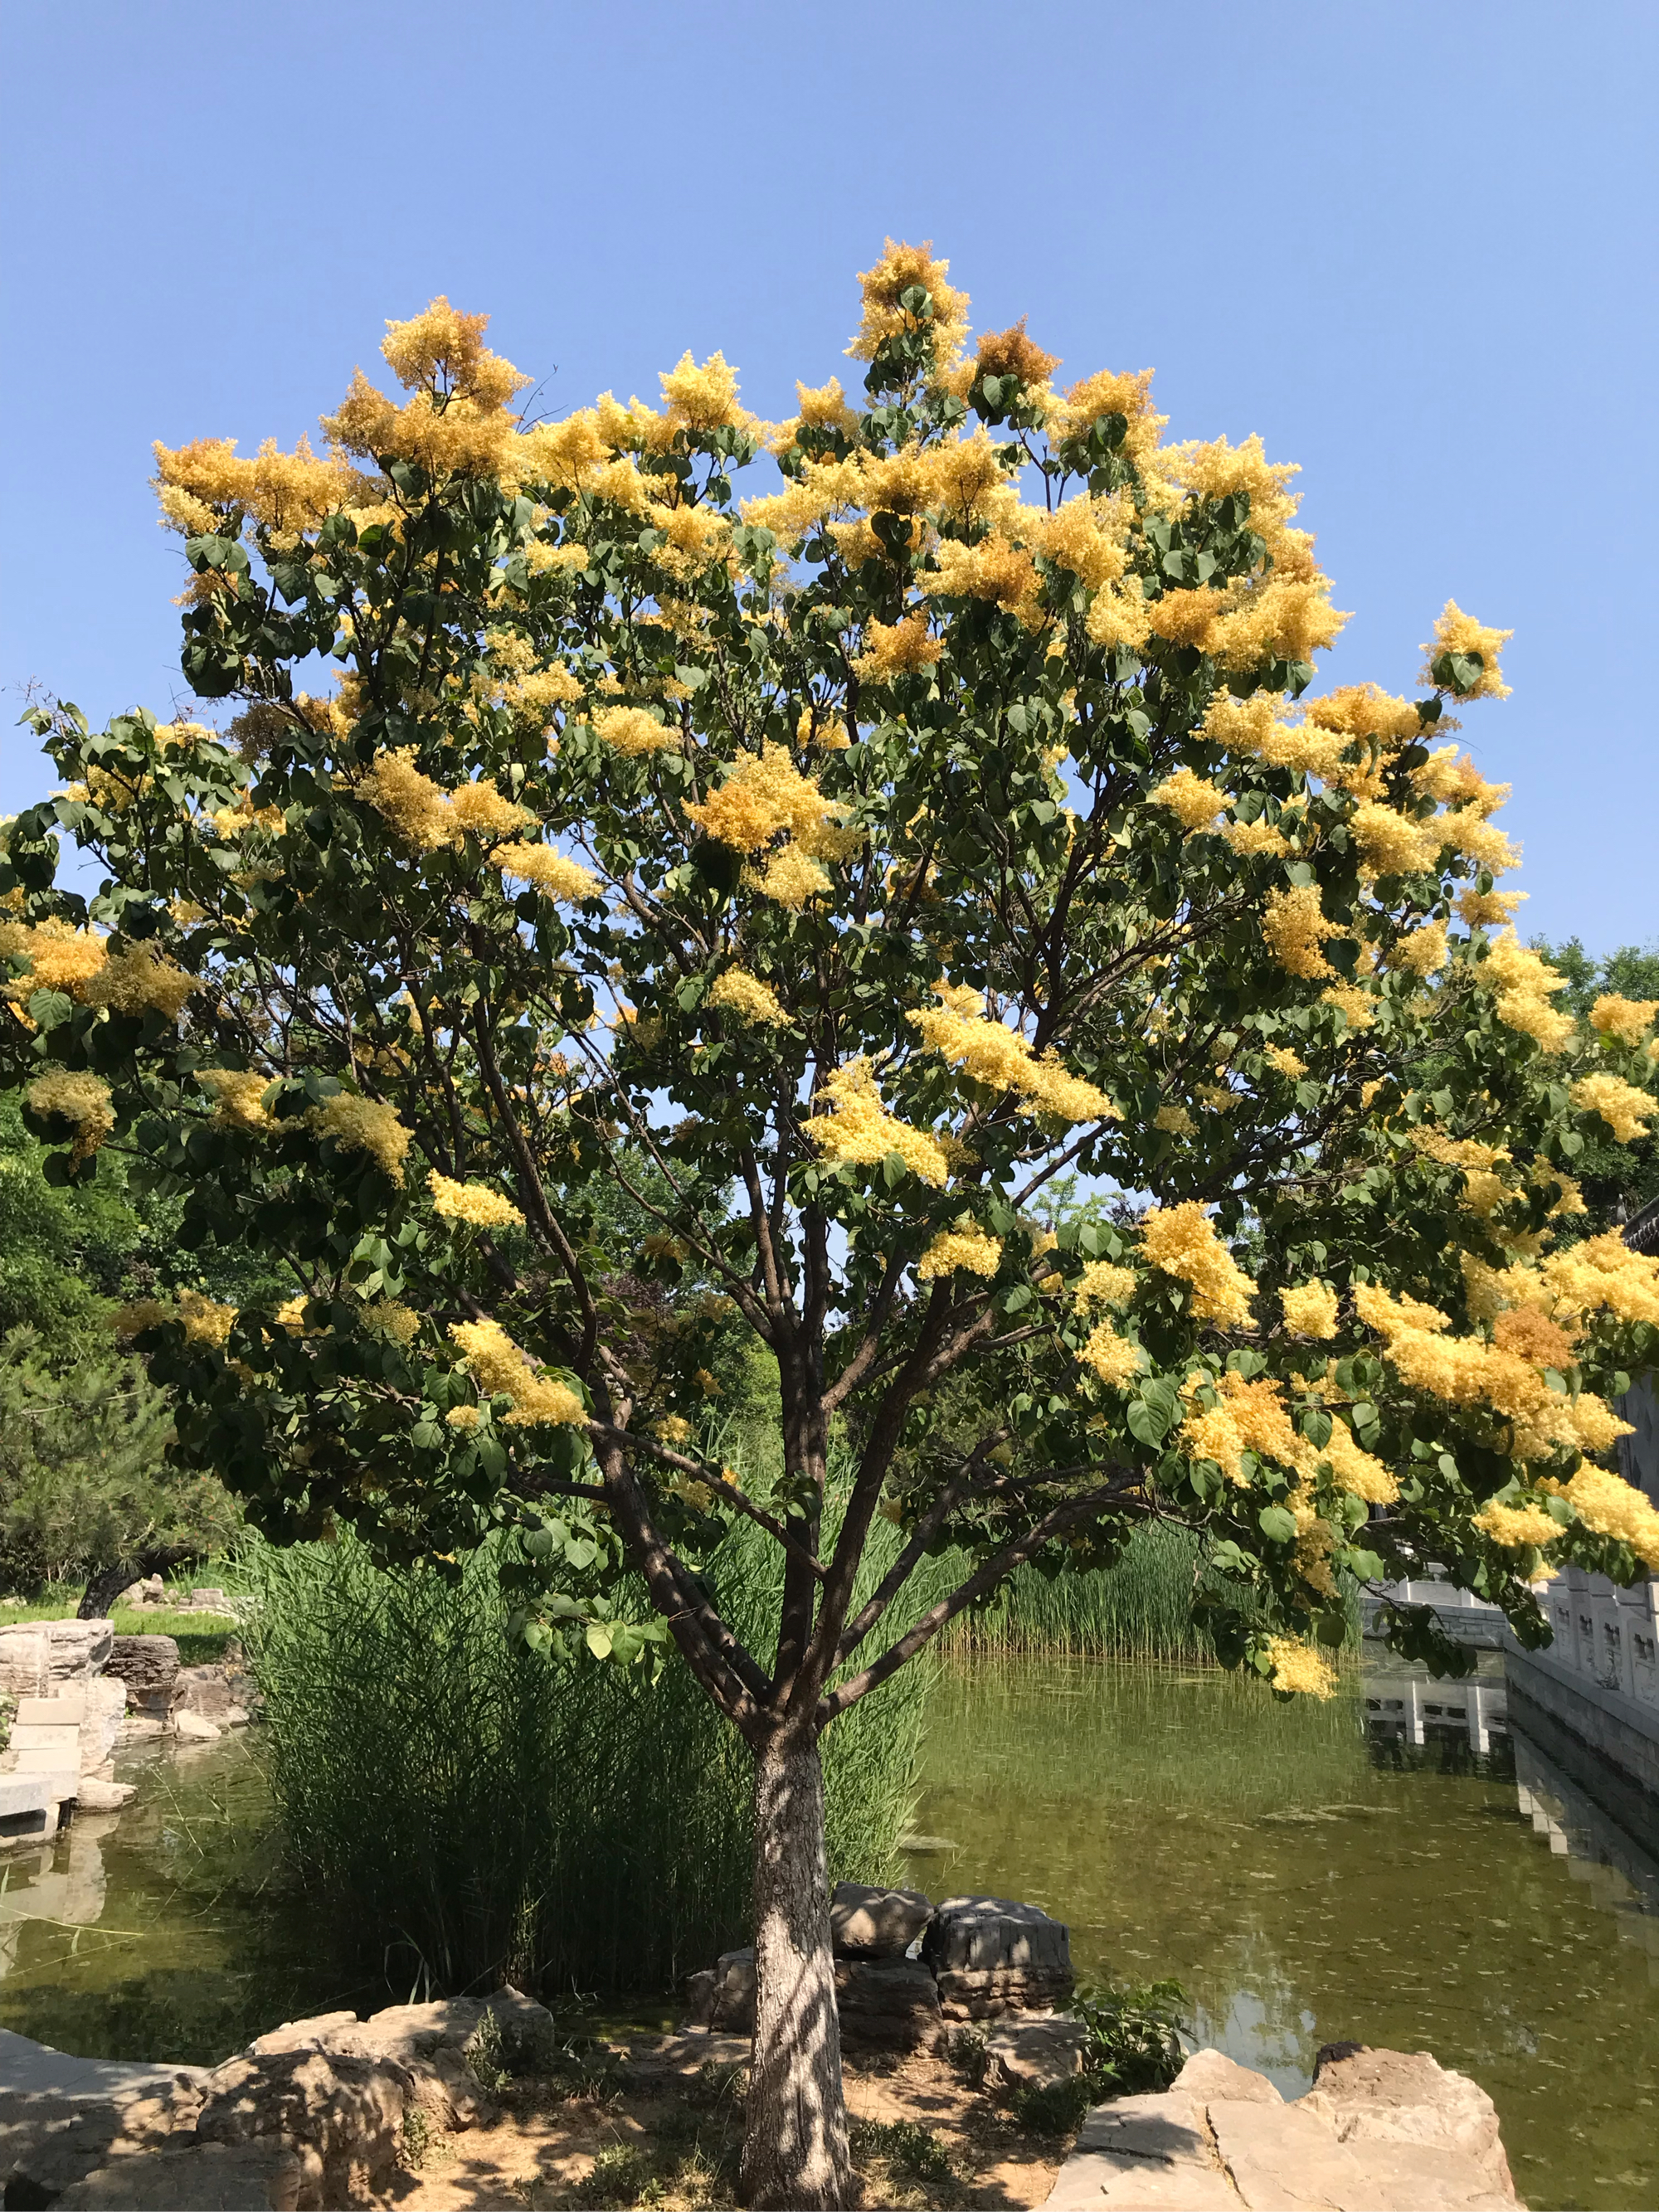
(832, 869)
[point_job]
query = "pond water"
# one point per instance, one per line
(1395, 1866)
(1312, 1875)
(168, 1930)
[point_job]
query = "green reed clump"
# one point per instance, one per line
(471, 1811)
(1141, 1607)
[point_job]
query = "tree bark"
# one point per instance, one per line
(107, 1585)
(794, 2151)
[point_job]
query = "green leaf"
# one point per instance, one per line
(1277, 1524)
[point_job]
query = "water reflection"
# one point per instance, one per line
(1364, 1868)
(167, 1931)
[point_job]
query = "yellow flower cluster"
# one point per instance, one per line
(1627, 1019)
(1612, 1508)
(1101, 1284)
(82, 1101)
(898, 648)
(504, 1371)
(1487, 910)
(1111, 393)
(1300, 1666)
(1116, 1359)
(474, 1203)
(1456, 632)
(358, 1124)
(1181, 1240)
(1392, 844)
(1295, 927)
(1626, 1109)
(427, 816)
(898, 269)
(764, 793)
(1288, 1063)
(141, 979)
(859, 1130)
(1422, 951)
(388, 1317)
(1469, 1371)
(206, 1321)
(1518, 1527)
(1176, 1120)
(967, 1247)
(1310, 1309)
(1522, 983)
(60, 959)
(1248, 1417)
(791, 877)
(288, 492)
(240, 1097)
(291, 1316)
(551, 871)
(992, 1053)
(748, 998)
(1194, 803)
(633, 732)
(1600, 1274)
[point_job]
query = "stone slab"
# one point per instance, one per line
(24, 1793)
(40, 1736)
(1094, 2181)
(35, 2070)
(68, 1706)
(1287, 2160)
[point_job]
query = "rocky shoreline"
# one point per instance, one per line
(947, 2011)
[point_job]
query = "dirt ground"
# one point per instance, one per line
(922, 2137)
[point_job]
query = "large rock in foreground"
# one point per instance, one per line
(876, 1924)
(991, 1956)
(1380, 2131)
(309, 2119)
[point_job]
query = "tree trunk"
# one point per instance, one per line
(107, 1585)
(794, 2151)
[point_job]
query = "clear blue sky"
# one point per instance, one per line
(1412, 245)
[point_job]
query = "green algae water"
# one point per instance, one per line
(1308, 1883)
(168, 1930)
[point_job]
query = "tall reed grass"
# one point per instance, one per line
(469, 1811)
(1139, 1608)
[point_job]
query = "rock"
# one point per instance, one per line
(348, 2109)
(208, 1598)
(24, 1654)
(1212, 2074)
(77, 1650)
(105, 1708)
(96, 1795)
(1151, 2153)
(1380, 2131)
(876, 1924)
(148, 1665)
(428, 2043)
(1289, 2154)
(141, 1727)
(1370, 2096)
(990, 1956)
(733, 2012)
(192, 1728)
(204, 1690)
(699, 1998)
(1034, 2053)
(250, 2176)
(890, 2002)
(234, 1716)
